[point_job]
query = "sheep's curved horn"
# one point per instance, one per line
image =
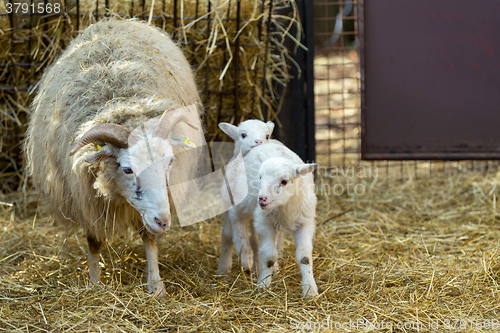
(110, 133)
(167, 122)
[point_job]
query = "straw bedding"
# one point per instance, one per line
(403, 252)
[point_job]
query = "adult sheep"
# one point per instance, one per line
(117, 75)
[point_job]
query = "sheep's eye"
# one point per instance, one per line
(243, 135)
(127, 170)
(267, 136)
(172, 160)
(284, 182)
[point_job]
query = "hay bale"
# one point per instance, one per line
(209, 32)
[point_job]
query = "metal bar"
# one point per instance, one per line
(264, 77)
(307, 22)
(297, 109)
(221, 44)
(226, 92)
(447, 156)
(175, 13)
(207, 66)
(29, 44)
(77, 15)
(224, 61)
(236, 61)
(154, 16)
(361, 36)
(14, 88)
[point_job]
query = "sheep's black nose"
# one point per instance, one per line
(163, 224)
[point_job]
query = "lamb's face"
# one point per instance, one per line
(278, 181)
(142, 177)
(249, 134)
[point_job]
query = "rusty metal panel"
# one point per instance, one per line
(430, 79)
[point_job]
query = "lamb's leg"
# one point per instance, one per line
(267, 252)
(155, 284)
(240, 239)
(225, 260)
(304, 235)
(254, 243)
(279, 246)
(95, 246)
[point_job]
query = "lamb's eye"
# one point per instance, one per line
(127, 170)
(284, 182)
(243, 135)
(172, 160)
(267, 136)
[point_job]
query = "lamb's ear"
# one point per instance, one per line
(230, 130)
(101, 155)
(304, 169)
(270, 125)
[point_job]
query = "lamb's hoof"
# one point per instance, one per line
(263, 285)
(157, 289)
(308, 293)
(276, 269)
(246, 268)
(247, 271)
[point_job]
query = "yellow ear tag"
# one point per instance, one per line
(99, 148)
(188, 142)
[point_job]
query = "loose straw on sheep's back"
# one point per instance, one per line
(207, 31)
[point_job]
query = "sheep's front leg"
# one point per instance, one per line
(240, 239)
(304, 235)
(155, 284)
(95, 246)
(227, 245)
(267, 252)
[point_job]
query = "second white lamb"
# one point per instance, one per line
(281, 198)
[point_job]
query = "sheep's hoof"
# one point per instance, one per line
(95, 284)
(223, 270)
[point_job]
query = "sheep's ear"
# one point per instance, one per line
(270, 125)
(304, 169)
(100, 156)
(230, 130)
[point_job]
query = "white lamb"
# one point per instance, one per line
(247, 135)
(280, 198)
